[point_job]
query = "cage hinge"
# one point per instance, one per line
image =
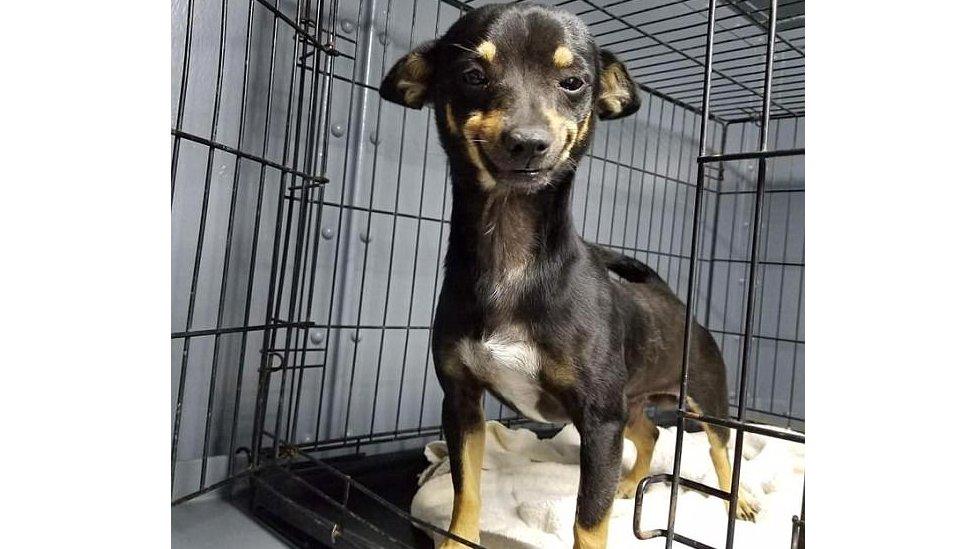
(798, 525)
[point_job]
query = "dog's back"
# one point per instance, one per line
(655, 319)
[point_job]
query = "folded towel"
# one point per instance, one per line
(528, 491)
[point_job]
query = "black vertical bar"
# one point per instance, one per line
(264, 375)
(416, 250)
(654, 179)
(325, 131)
(643, 173)
(664, 198)
(678, 188)
(298, 226)
(718, 204)
(435, 293)
(782, 279)
(316, 128)
(278, 261)
(796, 346)
(231, 468)
(433, 301)
(392, 249)
(692, 279)
(762, 282)
(227, 252)
(753, 260)
(181, 107)
(616, 179)
(201, 233)
(339, 236)
(369, 214)
(603, 187)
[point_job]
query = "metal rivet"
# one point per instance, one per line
(347, 26)
(374, 138)
(327, 234)
(365, 238)
(317, 336)
(338, 130)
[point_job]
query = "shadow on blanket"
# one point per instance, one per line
(528, 489)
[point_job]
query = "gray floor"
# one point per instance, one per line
(215, 523)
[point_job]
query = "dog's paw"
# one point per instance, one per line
(746, 507)
(627, 489)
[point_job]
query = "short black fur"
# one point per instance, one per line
(516, 271)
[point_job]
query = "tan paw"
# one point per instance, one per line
(746, 507)
(627, 489)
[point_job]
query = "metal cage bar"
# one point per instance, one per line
(282, 195)
(762, 155)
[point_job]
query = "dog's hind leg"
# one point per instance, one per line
(718, 441)
(643, 433)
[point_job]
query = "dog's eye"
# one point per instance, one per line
(474, 77)
(572, 83)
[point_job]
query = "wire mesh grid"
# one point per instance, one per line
(310, 219)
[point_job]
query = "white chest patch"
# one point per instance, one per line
(509, 364)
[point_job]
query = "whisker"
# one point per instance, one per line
(465, 48)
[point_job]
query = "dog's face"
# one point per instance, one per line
(516, 90)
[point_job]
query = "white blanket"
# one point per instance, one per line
(528, 490)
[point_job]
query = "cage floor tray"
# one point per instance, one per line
(304, 503)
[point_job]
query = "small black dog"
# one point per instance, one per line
(528, 310)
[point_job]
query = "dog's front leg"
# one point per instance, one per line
(601, 443)
(464, 427)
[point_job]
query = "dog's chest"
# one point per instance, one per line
(510, 364)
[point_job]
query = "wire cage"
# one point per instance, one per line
(310, 218)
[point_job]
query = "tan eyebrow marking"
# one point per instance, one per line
(562, 57)
(487, 50)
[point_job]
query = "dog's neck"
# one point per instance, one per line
(505, 241)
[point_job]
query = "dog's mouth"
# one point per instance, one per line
(529, 173)
(521, 175)
(526, 179)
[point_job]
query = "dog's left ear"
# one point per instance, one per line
(408, 82)
(617, 94)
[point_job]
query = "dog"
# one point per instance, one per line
(528, 311)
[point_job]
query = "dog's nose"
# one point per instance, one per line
(526, 144)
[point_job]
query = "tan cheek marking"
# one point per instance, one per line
(449, 116)
(562, 57)
(561, 128)
(491, 125)
(472, 130)
(584, 127)
(578, 135)
(487, 50)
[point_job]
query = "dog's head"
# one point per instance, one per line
(516, 90)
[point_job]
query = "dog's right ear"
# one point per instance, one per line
(409, 80)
